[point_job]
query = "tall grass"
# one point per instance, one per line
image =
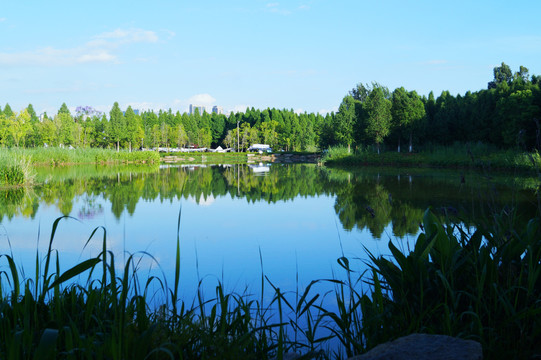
(62, 156)
(475, 155)
(483, 285)
(15, 170)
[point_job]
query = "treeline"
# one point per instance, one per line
(505, 114)
(282, 129)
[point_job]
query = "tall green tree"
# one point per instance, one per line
(502, 74)
(64, 109)
(134, 128)
(345, 121)
(407, 112)
(7, 111)
(378, 110)
(117, 125)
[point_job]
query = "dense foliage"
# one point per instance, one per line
(505, 114)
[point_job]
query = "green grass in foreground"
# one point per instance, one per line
(484, 285)
(459, 155)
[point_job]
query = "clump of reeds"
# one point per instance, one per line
(484, 285)
(65, 156)
(15, 171)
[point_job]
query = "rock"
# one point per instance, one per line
(425, 347)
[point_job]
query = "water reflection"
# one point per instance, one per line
(364, 199)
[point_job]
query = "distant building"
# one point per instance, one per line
(217, 110)
(199, 107)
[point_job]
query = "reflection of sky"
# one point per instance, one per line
(220, 239)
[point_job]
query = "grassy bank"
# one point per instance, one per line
(16, 163)
(470, 156)
(484, 285)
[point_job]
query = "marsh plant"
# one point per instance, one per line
(483, 284)
(16, 170)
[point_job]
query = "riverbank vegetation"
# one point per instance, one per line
(476, 156)
(483, 285)
(506, 115)
(17, 165)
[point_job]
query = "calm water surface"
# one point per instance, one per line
(291, 222)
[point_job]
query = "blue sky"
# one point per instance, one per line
(299, 54)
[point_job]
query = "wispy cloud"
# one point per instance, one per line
(119, 37)
(49, 56)
(101, 48)
(434, 62)
(202, 99)
(275, 7)
(2, 19)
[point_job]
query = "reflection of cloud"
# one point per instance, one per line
(98, 50)
(202, 201)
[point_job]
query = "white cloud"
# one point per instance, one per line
(274, 7)
(98, 57)
(98, 50)
(145, 105)
(202, 99)
(2, 19)
(129, 36)
(240, 108)
(327, 111)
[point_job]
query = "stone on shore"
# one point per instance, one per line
(425, 347)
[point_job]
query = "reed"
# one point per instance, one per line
(472, 156)
(62, 156)
(483, 284)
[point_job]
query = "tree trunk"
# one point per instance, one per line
(377, 145)
(411, 142)
(349, 148)
(117, 146)
(398, 144)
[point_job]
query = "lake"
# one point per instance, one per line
(290, 222)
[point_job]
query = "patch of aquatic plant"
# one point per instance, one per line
(335, 153)
(64, 156)
(458, 155)
(15, 170)
(93, 311)
(484, 285)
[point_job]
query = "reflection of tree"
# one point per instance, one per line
(90, 208)
(364, 204)
(17, 201)
(363, 200)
